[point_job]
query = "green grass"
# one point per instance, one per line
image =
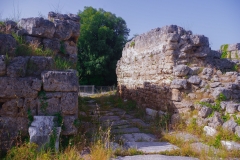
(63, 64)
(224, 51)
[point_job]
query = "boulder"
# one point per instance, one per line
(17, 67)
(207, 71)
(204, 112)
(199, 40)
(214, 84)
(181, 70)
(179, 84)
(8, 45)
(216, 120)
(18, 87)
(217, 91)
(38, 27)
(233, 47)
(194, 80)
(232, 107)
(65, 81)
(231, 145)
(2, 65)
(230, 125)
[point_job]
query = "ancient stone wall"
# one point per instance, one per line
(169, 69)
(32, 85)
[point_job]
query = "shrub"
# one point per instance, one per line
(224, 51)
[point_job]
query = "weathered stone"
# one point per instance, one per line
(154, 157)
(207, 71)
(216, 120)
(70, 48)
(13, 108)
(38, 27)
(18, 88)
(231, 145)
(10, 26)
(209, 131)
(125, 130)
(194, 80)
(215, 84)
(175, 119)
(195, 70)
(8, 45)
(233, 47)
(232, 107)
(38, 64)
(17, 67)
(151, 112)
(2, 65)
(151, 147)
(217, 91)
(204, 112)
(35, 41)
(199, 40)
(60, 81)
(237, 131)
(181, 70)
(41, 129)
(69, 127)
(179, 84)
(52, 44)
(69, 103)
(138, 137)
(63, 29)
(230, 125)
(176, 95)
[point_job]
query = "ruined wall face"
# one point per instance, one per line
(31, 85)
(169, 68)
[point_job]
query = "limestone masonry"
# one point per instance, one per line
(169, 69)
(31, 85)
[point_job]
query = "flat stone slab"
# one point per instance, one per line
(151, 147)
(125, 130)
(154, 157)
(230, 145)
(109, 118)
(138, 137)
(186, 137)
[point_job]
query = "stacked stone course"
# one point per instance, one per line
(31, 85)
(169, 69)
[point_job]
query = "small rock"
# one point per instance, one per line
(175, 119)
(216, 120)
(151, 112)
(207, 71)
(230, 125)
(181, 70)
(215, 84)
(204, 112)
(194, 80)
(231, 107)
(230, 145)
(209, 131)
(179, 83)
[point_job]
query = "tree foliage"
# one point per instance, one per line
(102, 38)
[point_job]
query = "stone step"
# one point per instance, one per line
(154, 157)
(125, 130)
(137, 137)
(150, 147)
(109, 118)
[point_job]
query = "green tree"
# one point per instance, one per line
(102, 38)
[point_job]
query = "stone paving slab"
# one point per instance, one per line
(138, 137)
(154, 157)
(151, 147)
(109, 118)
(125, 130)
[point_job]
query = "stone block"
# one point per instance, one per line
(176, 95)
(179, 84)
(18, 88)
(181, 70)
(209, 131)
(17, 67)
(38, 64)
(13, 108)
(233, 47)
(8, 45)
(194, 80)
(204, 112)
(69, 103)
(230, 125)
(37, 27)
(52, 44)
(65, 81)
(68, 123)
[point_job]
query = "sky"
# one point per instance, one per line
(219, 20)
